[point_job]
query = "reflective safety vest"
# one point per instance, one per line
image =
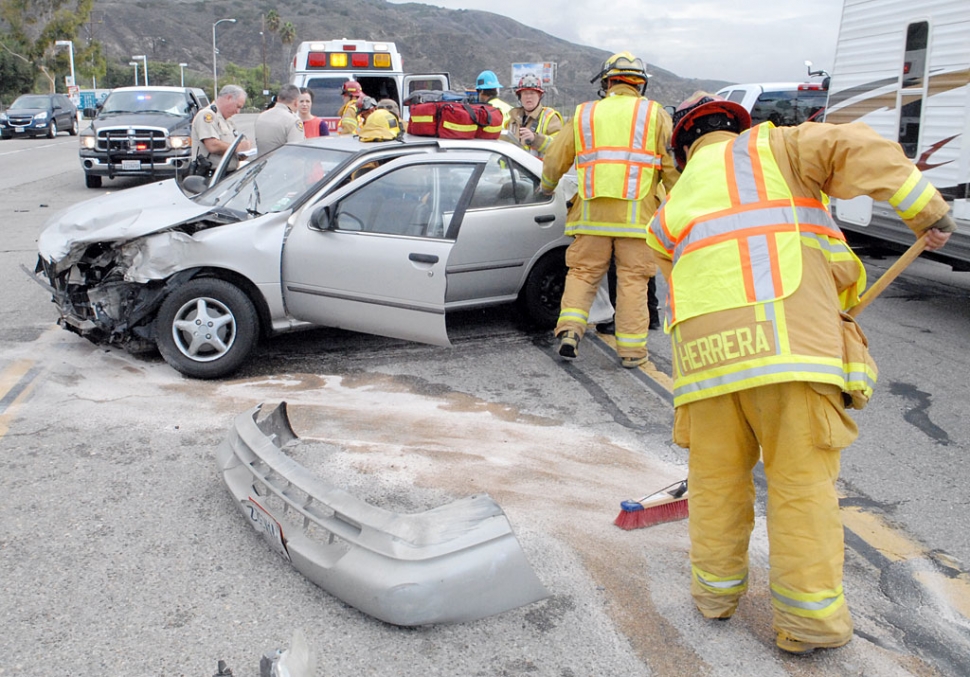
(735, 233)
(616, 147)
(546, 115)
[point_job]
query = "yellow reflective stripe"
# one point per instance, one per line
(447, 124)
(547, 184)
(776, 314)
(721, 585)
(807, 604)
(859, 376)
(914, 194)
(605, 229)
(631, 340)
(764, 371)
(574, 315)
(422, 118)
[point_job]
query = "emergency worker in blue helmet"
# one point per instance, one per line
(487, 86)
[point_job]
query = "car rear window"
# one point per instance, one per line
(787, 108)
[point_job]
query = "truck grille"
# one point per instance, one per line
(132, 140)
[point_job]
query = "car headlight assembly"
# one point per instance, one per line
(88, 141)
(41, 116)
(3, 117)
(178, 142)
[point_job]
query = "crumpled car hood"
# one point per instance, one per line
(118, 217)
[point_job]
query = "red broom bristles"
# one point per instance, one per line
(667, 505)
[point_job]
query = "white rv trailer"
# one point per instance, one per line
(904, 68)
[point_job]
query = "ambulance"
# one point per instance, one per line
(324, 66)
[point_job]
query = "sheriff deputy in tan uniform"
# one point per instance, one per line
(212, 131)
(280, 124)
(765, 361)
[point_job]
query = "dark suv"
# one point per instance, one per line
(39, 115)
(140, 131)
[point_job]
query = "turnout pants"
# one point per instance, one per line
(798, 429)
(588, 259)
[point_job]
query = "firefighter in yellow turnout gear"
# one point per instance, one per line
(619, 145)
(532, 125)
(758, 275)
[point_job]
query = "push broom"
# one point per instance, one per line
(670, 503)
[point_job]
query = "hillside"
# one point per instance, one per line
(431, 39)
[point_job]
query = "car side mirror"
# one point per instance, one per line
(90, 113)
(322, 218)
(194, 184)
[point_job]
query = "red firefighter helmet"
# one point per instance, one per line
(352, 89)
(529, 81)
(702, 113)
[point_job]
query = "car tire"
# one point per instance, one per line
(52, 129)
(92, 180)
(541, 295)
(75, 127)
(200, 351)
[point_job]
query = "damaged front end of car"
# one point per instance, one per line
(97, 300)
(453, 563)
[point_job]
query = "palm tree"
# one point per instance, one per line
(287, 37)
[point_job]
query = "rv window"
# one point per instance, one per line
(914, 62)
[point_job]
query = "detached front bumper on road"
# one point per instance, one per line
(458, 562)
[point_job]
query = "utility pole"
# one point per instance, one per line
(262, 35)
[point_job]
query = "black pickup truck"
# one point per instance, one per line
(140, 131)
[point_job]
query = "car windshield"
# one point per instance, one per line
(171, 103)
(32, 101)
(275, 182)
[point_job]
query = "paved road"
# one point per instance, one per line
(122, 552)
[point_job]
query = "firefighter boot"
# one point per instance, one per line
(788, 643)
(568, 344)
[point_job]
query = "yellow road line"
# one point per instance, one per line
(17, 376)
(648, 367)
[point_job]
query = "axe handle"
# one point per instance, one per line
(879, 286)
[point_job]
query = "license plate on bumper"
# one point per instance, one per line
(130, 165)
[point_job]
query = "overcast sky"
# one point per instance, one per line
(751, 41)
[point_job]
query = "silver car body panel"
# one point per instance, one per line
(458, 562)
(117, 217)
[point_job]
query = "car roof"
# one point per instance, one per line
(776, 86)
(151, 88)
(354, 145)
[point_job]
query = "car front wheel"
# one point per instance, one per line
(542, 293)
(52, 129)
(207, 328)
(74, 127)
(92, 180)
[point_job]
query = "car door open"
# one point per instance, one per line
(374, 259)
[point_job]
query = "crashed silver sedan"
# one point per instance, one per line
(381, 238)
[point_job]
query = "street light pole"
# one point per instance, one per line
(144, 60)
(215, 72)
(182, 73)
(70, 47)
(135, 64)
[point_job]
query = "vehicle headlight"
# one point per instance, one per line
(3, 117)
(41, 116)
(88, 141)
(180, 141)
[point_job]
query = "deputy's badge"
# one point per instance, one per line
(299, 125)
(208, 118)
